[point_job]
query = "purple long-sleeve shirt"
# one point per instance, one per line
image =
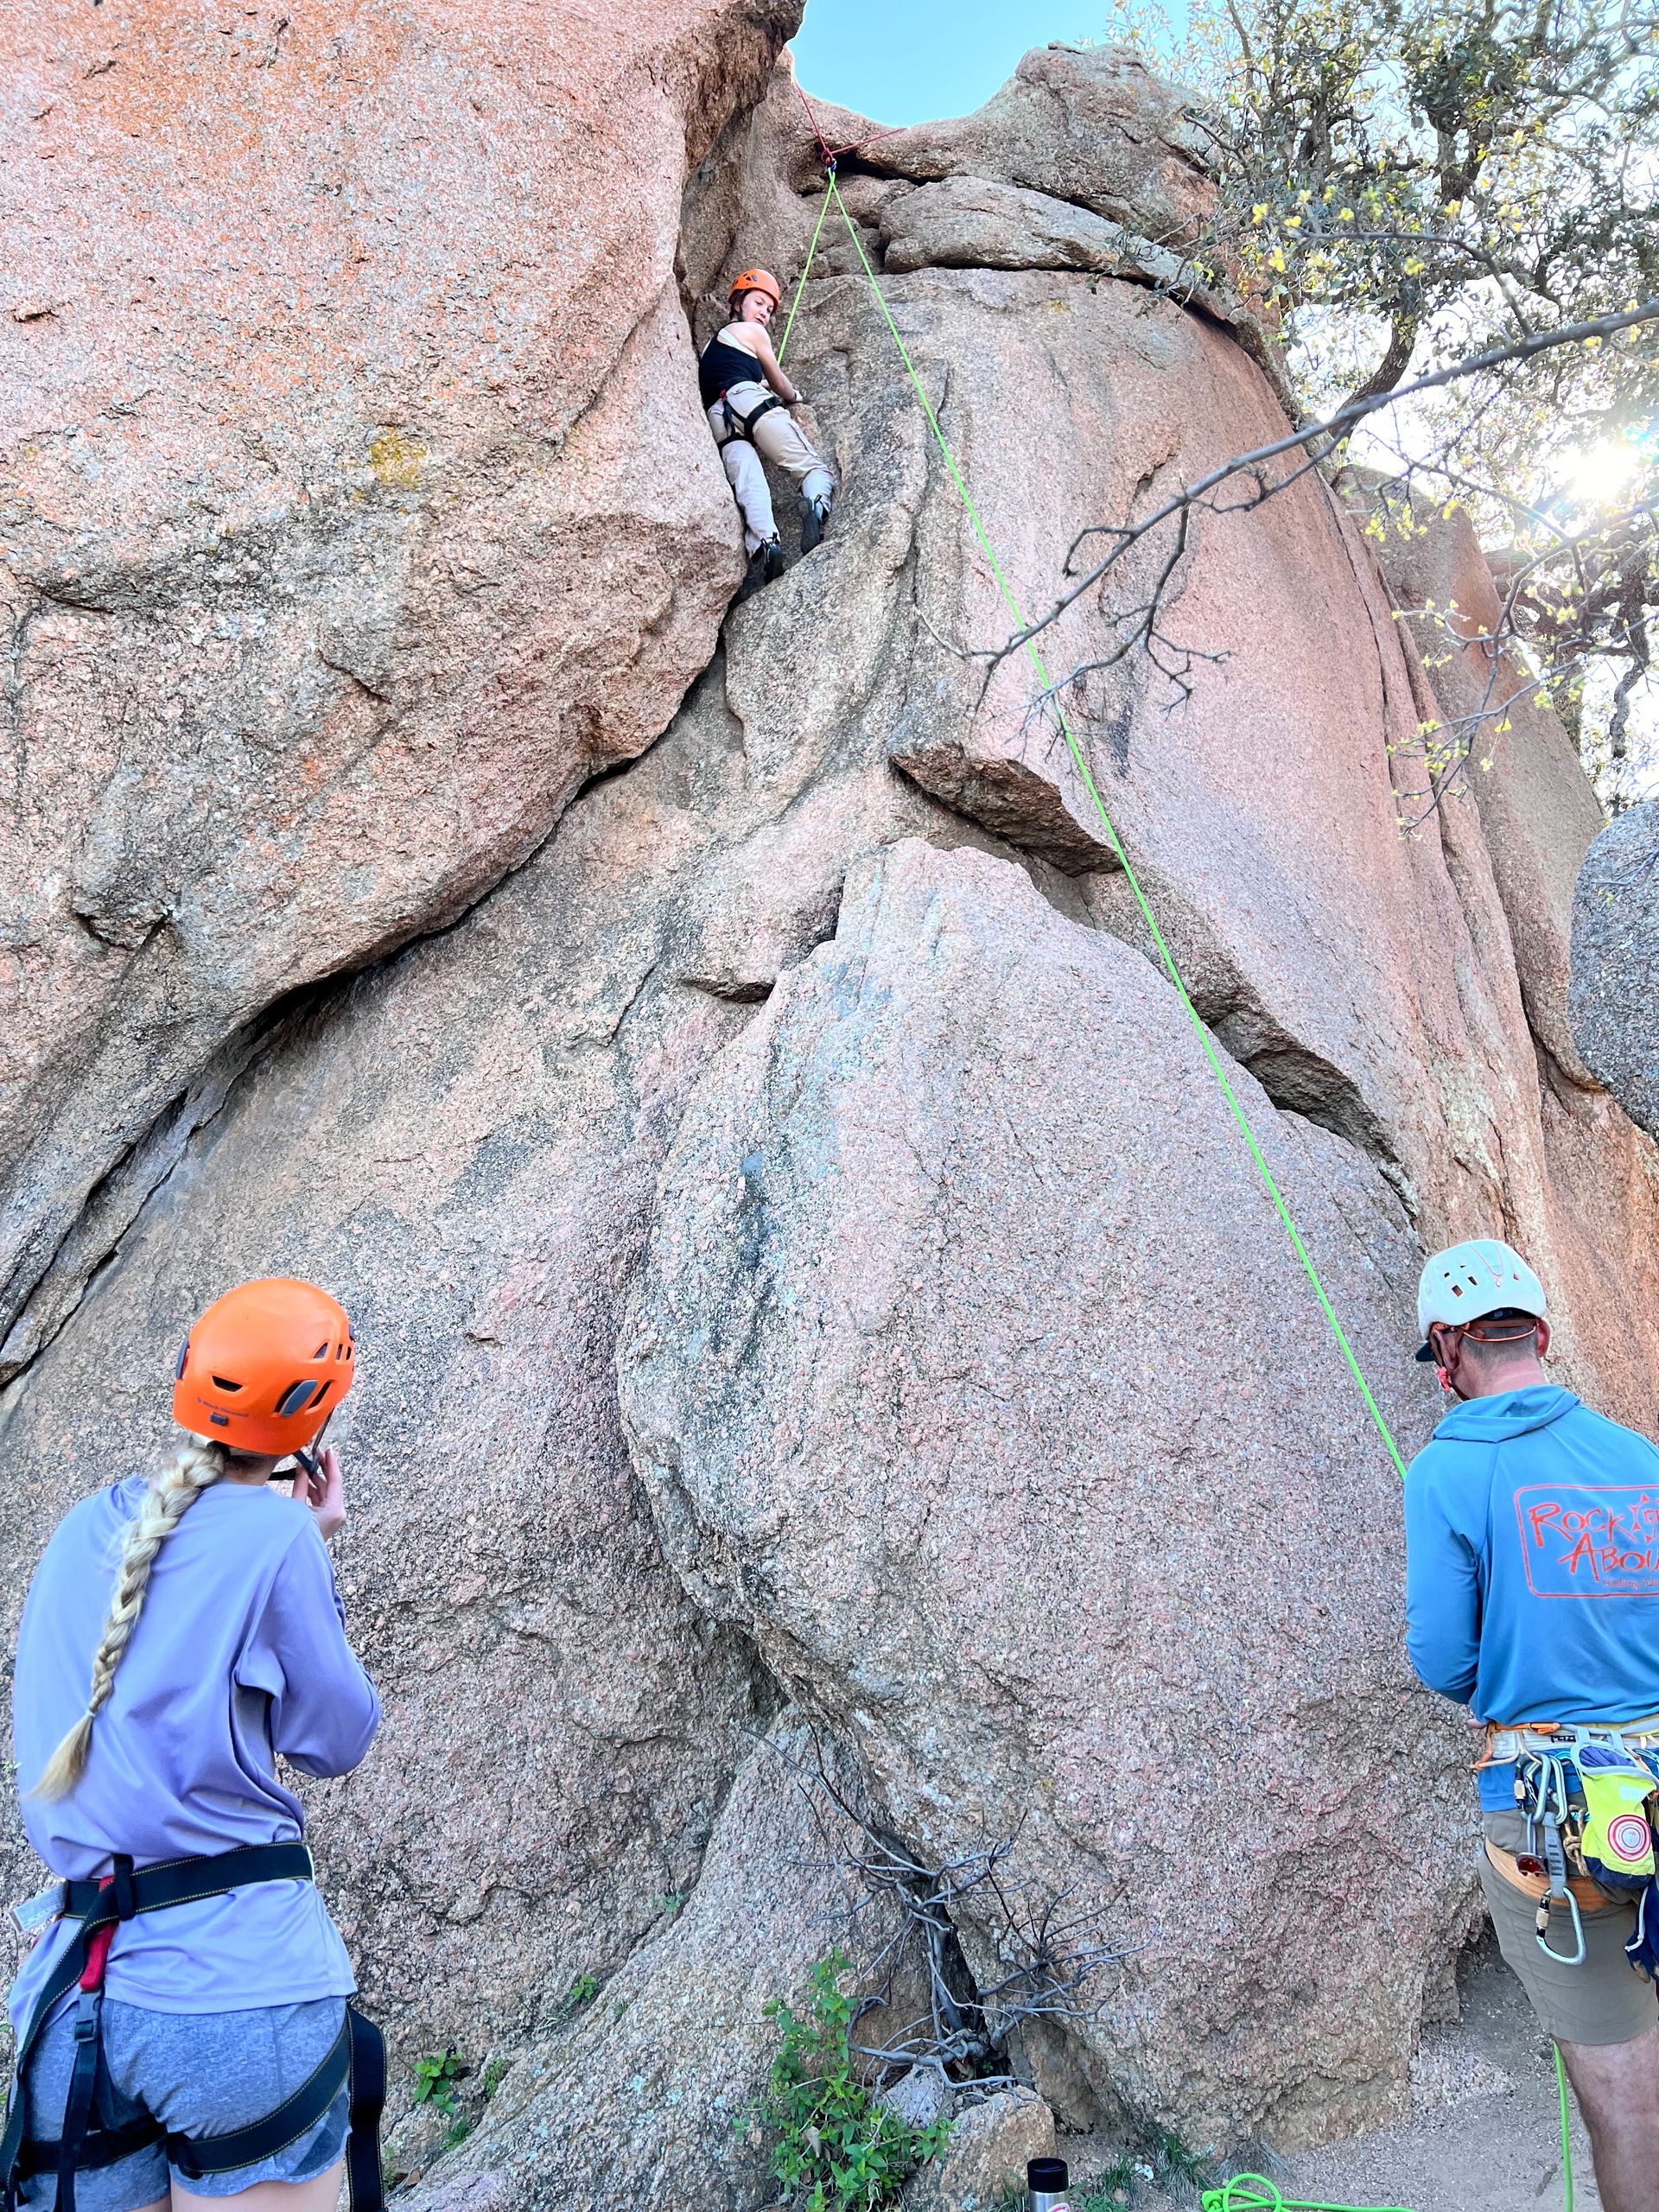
(239, 1654)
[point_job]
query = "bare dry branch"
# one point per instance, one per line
(1329, 433)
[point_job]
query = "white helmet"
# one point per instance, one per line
(1468, 1281)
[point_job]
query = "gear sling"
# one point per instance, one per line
(100, 1906)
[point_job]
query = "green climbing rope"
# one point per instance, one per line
(1245, 2192)
(783, 343)
(1567, 2130)
(1251, 2193)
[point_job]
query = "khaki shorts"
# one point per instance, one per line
(1605, 2000)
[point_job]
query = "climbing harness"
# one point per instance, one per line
(742, 426)
(1588, 1795)
(1228, 2199)
(83, 2144)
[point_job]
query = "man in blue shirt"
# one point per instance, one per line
(1532, 1595)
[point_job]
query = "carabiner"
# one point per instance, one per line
(1560, 1958)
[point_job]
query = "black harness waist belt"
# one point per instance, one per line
(357, 2056)
(742, 426)
(132, 1890)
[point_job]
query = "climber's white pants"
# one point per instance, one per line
(781, 440)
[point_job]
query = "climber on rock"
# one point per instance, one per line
(1532, 1574)
(182, 2024)
(745, 394)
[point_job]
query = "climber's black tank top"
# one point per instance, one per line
(723, 366)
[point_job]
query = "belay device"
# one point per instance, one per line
(357, 2056)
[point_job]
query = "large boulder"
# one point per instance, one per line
(334, 557)
(1083, 160)
(1615, 982)
(1092, 125)
(958, 1376)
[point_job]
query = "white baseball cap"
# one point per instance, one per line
(1468, 1281)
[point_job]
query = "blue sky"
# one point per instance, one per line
(913, 60)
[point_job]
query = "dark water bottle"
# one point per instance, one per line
(1045, 2186)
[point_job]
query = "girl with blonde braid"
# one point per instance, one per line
(182, 1633)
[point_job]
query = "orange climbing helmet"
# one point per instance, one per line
(756, 279)
(265, 1367)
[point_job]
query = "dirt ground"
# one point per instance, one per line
(1485, 2136)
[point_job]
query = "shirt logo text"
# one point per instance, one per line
(1583, 1542)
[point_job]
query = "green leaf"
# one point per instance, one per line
(834, 2149)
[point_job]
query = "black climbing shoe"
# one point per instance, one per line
(765, 566)
(814, 515)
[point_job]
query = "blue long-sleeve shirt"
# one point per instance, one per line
(239, 1655)
(1532, 1566)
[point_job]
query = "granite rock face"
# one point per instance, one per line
(333, 559)
(466, 1140)
(951, 1271)
(648, 2096)
(976, 1407)
(1093, 126)
(560, 1725)
(1540, 813)
(1026, 183)
(966, 223)
(1592, 1174)
(1614, 998)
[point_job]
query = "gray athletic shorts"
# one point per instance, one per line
(1605, 1999)
(199, 2074)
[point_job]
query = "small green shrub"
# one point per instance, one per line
(458, 2134)
(582, 1991)
(1171, 2158)
(835, 2149)
(1110, 2189)
(435, 2078)
(492, 2076)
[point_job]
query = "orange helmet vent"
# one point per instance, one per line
(757, 280)
(265, 1367)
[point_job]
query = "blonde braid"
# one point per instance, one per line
(169, 1497)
